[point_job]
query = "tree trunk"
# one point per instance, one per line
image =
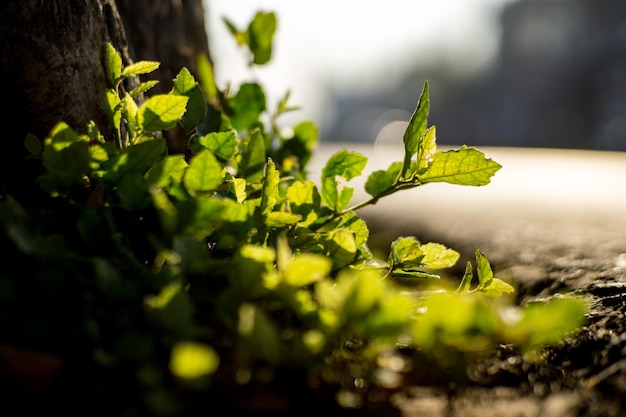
(52, 64)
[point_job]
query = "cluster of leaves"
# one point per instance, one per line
(226, 265)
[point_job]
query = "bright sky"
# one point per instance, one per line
(349, 44)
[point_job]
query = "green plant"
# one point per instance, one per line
(225, 267)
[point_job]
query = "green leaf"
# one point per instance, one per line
(201, 216)
(206, 77)
(437, 256)
(204, 174)
(406, 252)
(413, 273)
(341, 247)
(240, 37)
(280, 219)
(415, 130)
(113, 66)
(260, 33)
(466, 282)
(191, 360)
(222, 144)
(483, 269)
(141, 67)
(547, 323)
(381, 181)
(185, 85)
(248, 104)
(253, 157)
(136, 158)
(365, 292)
(142, 88)
(306, 268)
(167, 172)
(113, 108)
(345, 165)
(304, 199)
(133, 192)
(161, 112)
(426, 149)
(464, 166)
(269, 192)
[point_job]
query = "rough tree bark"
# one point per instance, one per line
(52, 57)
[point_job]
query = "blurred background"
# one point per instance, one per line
(523, 73)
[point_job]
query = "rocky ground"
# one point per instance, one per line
(552, 222)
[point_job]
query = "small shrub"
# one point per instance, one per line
(224, 267)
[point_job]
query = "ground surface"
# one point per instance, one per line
(551, 221)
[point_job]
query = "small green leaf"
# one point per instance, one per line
(381, 181)
(437, 256)
(141, 67)
(161, 112)
(113, 65)
(136, 158)
(364, 294)
(185, 85)
(464, 166)
(191, 360)
(345, 165)
(426, 149)
(341, 247)
(260, 33)
(113, 108)
(206, 77)
(269, 192)
(204, 174)
(248, 104)
(483, 269)
(415, 130)
(406, 252)
(142, 88)
(240, 37)
(466, 282)
(412, 273)
(253, 157)
(307, 268)
(222, 144)
(304, 199)
(133, 192)
(280, 219)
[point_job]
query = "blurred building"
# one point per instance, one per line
(559, 81)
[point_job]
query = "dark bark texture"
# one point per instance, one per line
(52, 64)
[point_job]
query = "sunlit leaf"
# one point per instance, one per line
(190, 360)
(113, 65)
(141, 67)
(306, 268)
(253, 157)
(222, 144)
(161, 112)
(205, 173)
(344, 165)
(260, 35)
(464, 166)
(269, 192)
(415, 130)
(381, 181)
(185, 85)
(437, 256)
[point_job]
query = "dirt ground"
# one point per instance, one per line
(551, 222)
